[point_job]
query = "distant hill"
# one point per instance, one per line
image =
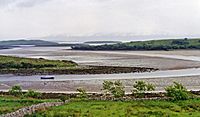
(26, 42)
(169, 44)
(5, 47)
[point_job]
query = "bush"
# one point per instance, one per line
(115, 88)
(140, 87)
(33, 94)
(16, 91)
(63, 98)
(177, 92)
(82, 93)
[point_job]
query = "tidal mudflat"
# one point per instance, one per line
(163, 60)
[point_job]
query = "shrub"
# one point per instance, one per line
(140, 87)
(115, 88)
(107, 86)
(82, 93)
(63, 98)
(16, 91)
(177, 92)
(33, 94)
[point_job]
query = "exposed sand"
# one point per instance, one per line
(124, 58)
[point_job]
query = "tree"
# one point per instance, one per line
(115, 88)
(140, 87)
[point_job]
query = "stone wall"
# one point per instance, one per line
(31, 109)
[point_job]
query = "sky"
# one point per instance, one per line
(46, 18)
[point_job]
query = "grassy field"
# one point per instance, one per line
(10, 104)
(7, 62)
(124, 109)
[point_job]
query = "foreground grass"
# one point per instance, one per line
(10, 104)
(124, 109)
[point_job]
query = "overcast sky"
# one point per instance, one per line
(40, 18)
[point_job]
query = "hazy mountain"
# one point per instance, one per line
(26, 42)
(111, 37)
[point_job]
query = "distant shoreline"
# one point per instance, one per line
(170, 44)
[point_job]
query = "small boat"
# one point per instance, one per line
(47, 77)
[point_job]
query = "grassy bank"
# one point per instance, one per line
(125, 109)
(170, 44)
(8, 62)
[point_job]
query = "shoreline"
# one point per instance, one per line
(102, 95)
(79, 71)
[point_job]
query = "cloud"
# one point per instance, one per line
(21, 3)
(31, 3)
(5, 3)
(34, 18)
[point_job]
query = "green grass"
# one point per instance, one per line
(8, 62)
(124, 109)
(10, 104)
